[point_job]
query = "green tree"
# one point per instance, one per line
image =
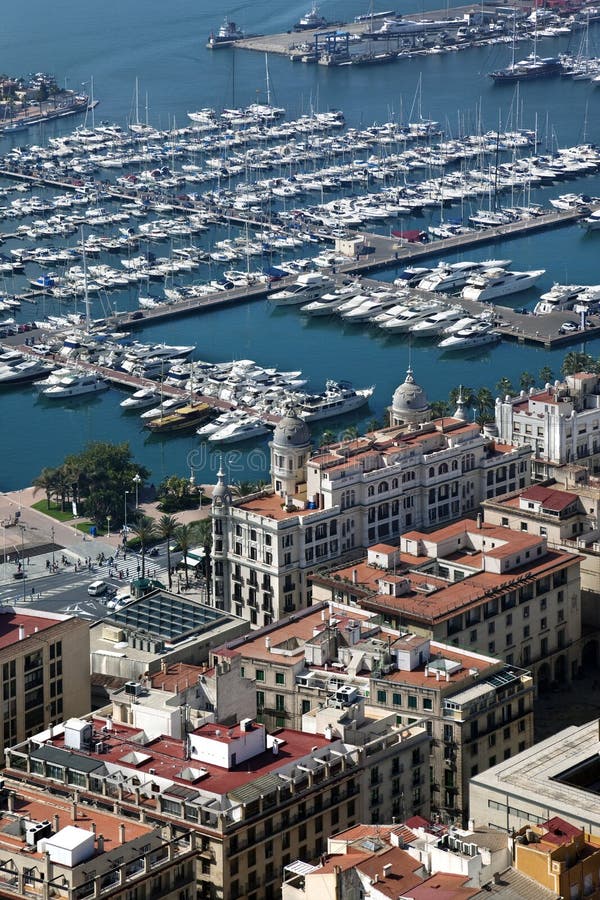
(146, 532)
(245, 488)
(505, 386)
(374, 425)
(440, 408)
(576, 361)
(184, 537)
(546, 375)
(203, 530)
(350, 433)
(484, 401)
(526, 380)
(328, 437)
(174, 494)
(46, 481)
(166, 528)
(468, 396)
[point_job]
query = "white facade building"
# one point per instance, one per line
(326, 507)
(561, 424)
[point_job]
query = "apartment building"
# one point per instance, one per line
(559, 856)
(45, 665)
(55, 848)
(324, 507)
(555, 777)
(326, 661)
(561, 424)
(252, 801)
(477, 586)
(568, 519)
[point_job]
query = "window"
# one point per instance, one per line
(412, 701)
(260, 674)
(427, 703)
(279, 678)
(382, 697)
(397, 699)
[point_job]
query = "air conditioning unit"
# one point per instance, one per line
(133, 688)
(100, 747)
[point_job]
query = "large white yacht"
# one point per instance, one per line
(436, 323)
(328, 303)
(141, 399)
(495, 283)
(25, 370)
(76, 386)
(338, 397)
(476, 335)
(413, 314)
(452, 276)
(167, 406)
(565, 296)
(308, 286)
(242, 430)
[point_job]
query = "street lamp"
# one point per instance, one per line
(52, 535)
(22, 527)
(125, 513)
(108, 518)
(137, 480)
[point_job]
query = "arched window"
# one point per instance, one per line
(443, 469)
(371, 491)
(394, 483)
(383, 486)
(454, 465)
(431, 472)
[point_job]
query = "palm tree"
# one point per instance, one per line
(575, 361)
(46, 481)
(350, 433)
(484, 400)
(439, 409)
(467, 393)
(145, 530)
(244, 488)
(328, 437)
(546, 375)
(166, 527)
(504, 386)
(373, 425)
(526, 380)
(184, 537)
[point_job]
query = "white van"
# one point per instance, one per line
(97, 588)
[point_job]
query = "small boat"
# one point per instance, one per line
(227, 35)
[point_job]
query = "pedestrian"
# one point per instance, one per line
(32, 592)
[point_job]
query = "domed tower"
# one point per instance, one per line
(290, 448)
(221, 503)
(460, 412)
(410, 405)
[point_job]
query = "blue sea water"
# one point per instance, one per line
(162, 45)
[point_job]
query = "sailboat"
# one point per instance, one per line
(533, 66)
(266, 111)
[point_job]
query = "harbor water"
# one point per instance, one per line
(162, 46)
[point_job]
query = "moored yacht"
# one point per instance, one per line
(499, 283)
(338, 397)
(23, 371)
(435, 324)
(308, 286)
(328, 303)
(76, 386)
(477, 335)
(140, 399)
(242, 430)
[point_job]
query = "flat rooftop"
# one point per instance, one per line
(165, 757)
(168, 616)
(31, 805)
(11, 622)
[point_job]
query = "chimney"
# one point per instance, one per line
(74, 811)
(36, 629)
(163, 666)
(21, 632)
(479, 521)
(447, 676)
(55, 823)
(386, 869)
(100, 843)
(121, 833)
(93, 828)
(354, 576)
(11, 801)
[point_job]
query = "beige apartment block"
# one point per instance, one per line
(55, 849)
(45, 666)
(252, 801)
(480, 587)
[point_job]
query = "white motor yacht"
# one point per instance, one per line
(226, 418)
(337, 398)
(495, 283)
(331, 301)
(21, 372)
(437, 322)
(242, 430)
(145, 397)
(452, 276)
(477, 335)
(405, 320)
(76, 386)
(167, 406)
(307, 287)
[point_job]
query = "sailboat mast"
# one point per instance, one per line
(86, 295)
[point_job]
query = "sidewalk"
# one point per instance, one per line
(38, 538)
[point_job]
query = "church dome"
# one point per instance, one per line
(291, 431)
(409, 398)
